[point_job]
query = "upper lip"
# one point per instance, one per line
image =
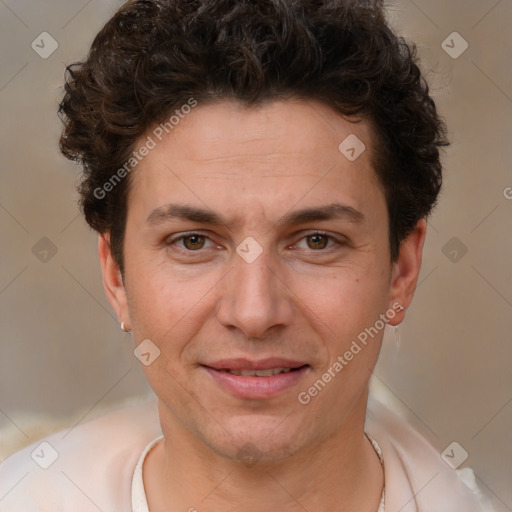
(248, 364)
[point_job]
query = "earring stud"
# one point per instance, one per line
(124, 328)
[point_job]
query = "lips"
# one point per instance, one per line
(258, 373)
(248, 364)
(249, 379)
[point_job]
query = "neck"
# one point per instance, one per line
(182, 474)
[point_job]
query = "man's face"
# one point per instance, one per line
(197, 287)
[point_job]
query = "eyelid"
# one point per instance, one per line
(334, 238)
(172, 239)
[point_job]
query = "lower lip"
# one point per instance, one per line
(256, 387)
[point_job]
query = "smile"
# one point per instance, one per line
(258, 373)
(256, 380)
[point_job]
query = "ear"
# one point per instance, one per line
(406, 270)
(112, 280)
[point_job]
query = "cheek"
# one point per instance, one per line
(169, 312)
(163, 304)
(362, 279)
(343, 303)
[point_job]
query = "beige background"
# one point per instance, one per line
(62, 353)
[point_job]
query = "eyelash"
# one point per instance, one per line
(182, 237)
(331, 240)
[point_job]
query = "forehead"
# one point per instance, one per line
(225, 129)
(270, 156)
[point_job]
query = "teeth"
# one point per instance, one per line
(259, 373)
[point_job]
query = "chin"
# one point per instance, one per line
(259, 439)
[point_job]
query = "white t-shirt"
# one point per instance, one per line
(139, 501)
(97, 465)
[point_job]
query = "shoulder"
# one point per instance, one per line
(417, 478)
(86, 467)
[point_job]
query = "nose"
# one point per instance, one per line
(254, 299)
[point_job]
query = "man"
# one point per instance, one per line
(260, 174)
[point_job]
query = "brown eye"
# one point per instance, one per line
(317, 241)
(194, 242)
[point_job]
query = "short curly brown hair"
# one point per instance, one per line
(152, 56)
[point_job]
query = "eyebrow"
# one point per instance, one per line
(177, 211)
(330, 212)
(203, 216)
